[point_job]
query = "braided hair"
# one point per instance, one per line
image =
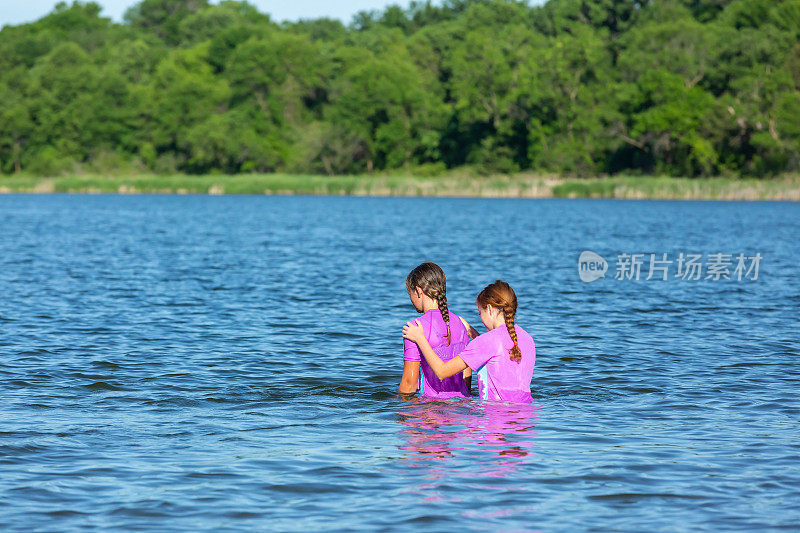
(501, 296)
(429, 277)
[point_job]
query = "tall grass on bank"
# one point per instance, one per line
(451, 184)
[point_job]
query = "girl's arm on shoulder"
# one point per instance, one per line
(472, 332)
(413, 331)
(410, 380)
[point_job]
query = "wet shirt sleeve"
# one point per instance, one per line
(477, 352)
(411, 351)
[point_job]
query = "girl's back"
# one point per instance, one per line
(436, 332)
(499, 377)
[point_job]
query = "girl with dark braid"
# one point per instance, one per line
(503, 357)
(445, 333)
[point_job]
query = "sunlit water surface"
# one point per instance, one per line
(188, 363)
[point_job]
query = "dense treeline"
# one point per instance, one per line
(683, 87)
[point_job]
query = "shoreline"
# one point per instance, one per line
(455, 184)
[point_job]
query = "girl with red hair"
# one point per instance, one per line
(502, 358)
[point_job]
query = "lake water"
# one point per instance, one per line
(193, 363)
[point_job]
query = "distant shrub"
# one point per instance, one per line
(48, 162)
(491, 158)
(428, 170)
(109, 162)
(166, 164)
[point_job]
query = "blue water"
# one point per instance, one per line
(191, 363)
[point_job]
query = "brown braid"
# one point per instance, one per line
(514, 352)
(441, 300)
(430, 278)
(501, 296)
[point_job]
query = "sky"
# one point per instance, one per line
(20, 11)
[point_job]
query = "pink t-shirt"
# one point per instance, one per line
(436, 332)
(499, 378)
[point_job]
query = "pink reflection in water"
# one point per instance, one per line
(502, 434)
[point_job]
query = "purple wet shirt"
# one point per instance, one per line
(436, 332)
(499, 378)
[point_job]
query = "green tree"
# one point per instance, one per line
(62, 92)
(163, 17)
(16, 125)
(391, 117)
(669, 122)
(183, 93)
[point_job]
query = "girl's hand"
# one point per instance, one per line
(413, 331)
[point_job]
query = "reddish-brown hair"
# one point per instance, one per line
(502, 297)
(429, 277)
